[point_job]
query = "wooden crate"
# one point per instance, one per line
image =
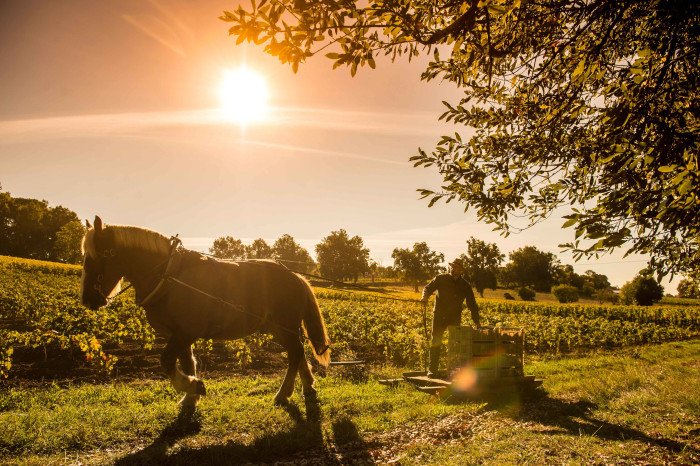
(492, 352)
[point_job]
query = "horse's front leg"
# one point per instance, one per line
(295, 354)
(189, 368)
(181, 382)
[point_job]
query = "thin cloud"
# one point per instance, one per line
(143, 124)
(309, 150)
(367, 122)
(174, 19)
(152, 33)
(389, 123)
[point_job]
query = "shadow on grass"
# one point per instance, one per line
(575, 418)
(304, 440)
(187, 423)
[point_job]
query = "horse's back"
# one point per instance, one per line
(234, 299)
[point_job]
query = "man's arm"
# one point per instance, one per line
(429, 289)
(471, 304)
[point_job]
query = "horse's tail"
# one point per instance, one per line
(314, 327)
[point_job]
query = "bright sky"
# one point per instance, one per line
(114, 109)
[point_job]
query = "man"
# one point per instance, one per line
(452, 290)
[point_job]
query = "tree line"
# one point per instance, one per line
(342, 257)
(31, 228)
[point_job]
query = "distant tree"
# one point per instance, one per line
(688, 288)
(417, 265)
(529, 266)
(341, 257)
(29, 227)
(67, 244)
(387, 272)
(259, 249)
(291, 254)
(597, 281)
(481, 264)
(565, 293)
(643, 291)
(526, 293)
(228, 248)
(564, 274)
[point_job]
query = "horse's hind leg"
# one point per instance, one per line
(168, 360)
(295, 354)
(189, 367)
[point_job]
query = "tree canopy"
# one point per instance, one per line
(69, 238)
(643, 291)
(417, 265)
(259, 249)
(482, 261)
(529, 266)
(30, 228)
(591, 106)
(341, 257)
(287, 251)
(228, 247)
(688, 288)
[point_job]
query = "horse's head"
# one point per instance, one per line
(101, 272)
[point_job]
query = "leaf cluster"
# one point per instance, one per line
(592, 106)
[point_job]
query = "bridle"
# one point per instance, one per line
(112, 253)
(101, 260)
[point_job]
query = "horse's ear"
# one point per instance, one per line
(87, 224)
(98, 224)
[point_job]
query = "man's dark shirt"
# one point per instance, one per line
(448, 301)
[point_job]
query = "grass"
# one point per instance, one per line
(636, 405)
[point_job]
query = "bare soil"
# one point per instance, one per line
(36, 367)
(33, 367)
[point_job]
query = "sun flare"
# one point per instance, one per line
(243, 95)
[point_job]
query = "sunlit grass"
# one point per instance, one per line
(639, 404)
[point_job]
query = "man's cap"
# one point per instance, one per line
(457, 262)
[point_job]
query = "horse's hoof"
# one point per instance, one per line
(311, 395)
(281, 401)
(189, 401)
(196, 388)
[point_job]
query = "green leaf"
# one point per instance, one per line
(570, 222)
(686, 186)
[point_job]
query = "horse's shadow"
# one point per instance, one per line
(576, 418)
(304, 439)
(187, 423)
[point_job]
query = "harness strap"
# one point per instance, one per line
(321, 353)
(174, 243)
(218, 299)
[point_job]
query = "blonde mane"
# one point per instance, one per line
(128, 237)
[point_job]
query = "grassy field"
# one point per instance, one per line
(639, 405)
(83, 387)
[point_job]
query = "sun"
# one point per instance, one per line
(243, 94)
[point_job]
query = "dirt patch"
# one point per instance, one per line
(36, 367)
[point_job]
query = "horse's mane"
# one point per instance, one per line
(128, 237)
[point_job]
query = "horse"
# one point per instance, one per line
(188, 296)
